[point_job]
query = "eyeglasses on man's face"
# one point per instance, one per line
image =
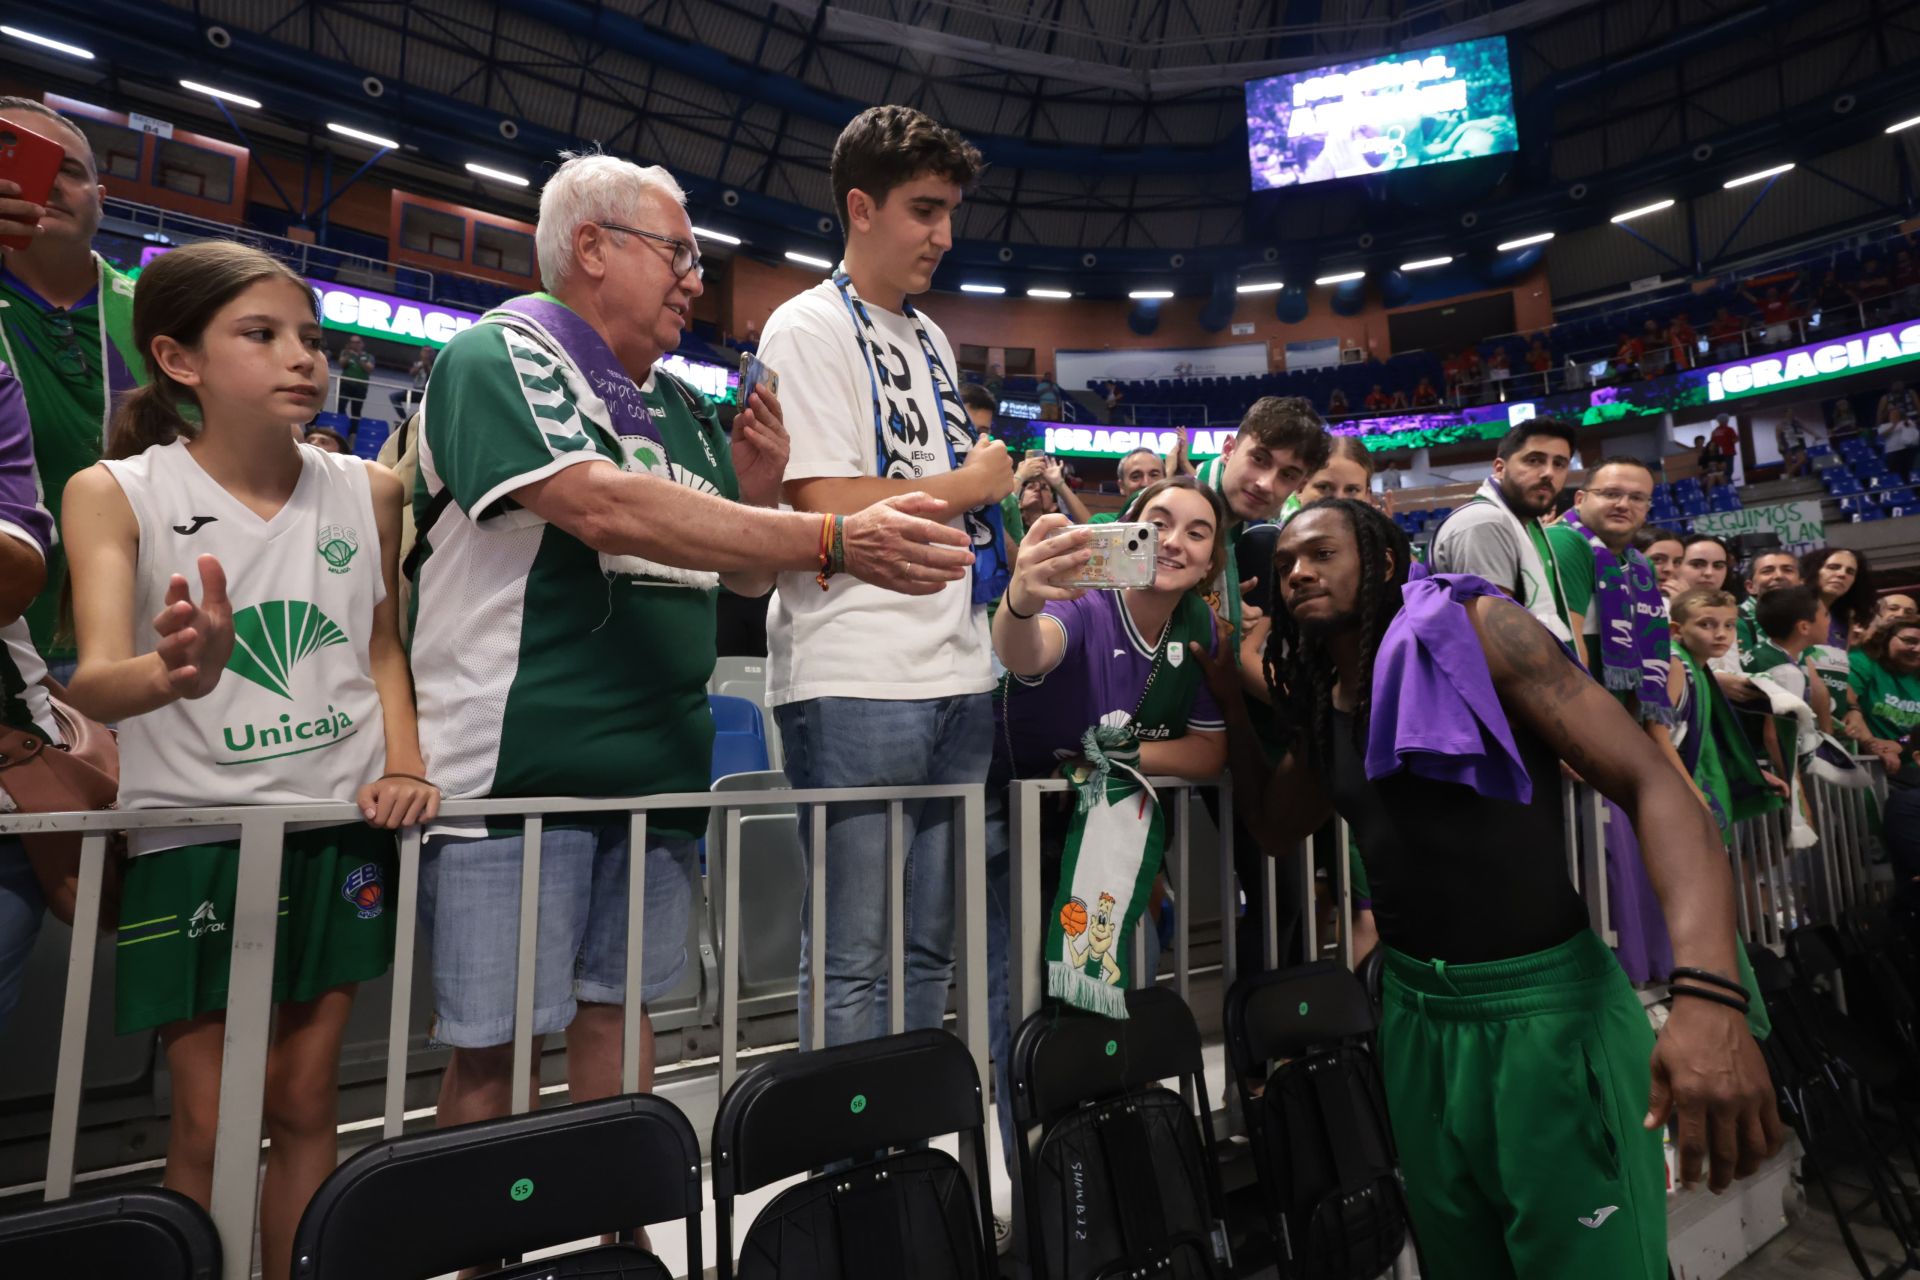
(685, 256)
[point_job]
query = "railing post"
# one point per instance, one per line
(1183, 909)
(970, 926)
(69, 1081)
(1342, 840)
(730, 947)
(523, 1064)
(399, 1013)
(1229, 900)
(817, 952)
(632, 1011)
(243, 1075)
(1310, 907)
(896, 919)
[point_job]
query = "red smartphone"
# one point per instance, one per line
(32, 161)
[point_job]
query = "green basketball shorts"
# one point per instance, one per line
(1516, 1090)
(176, 916)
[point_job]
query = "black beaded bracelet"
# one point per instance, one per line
(1715, 996)
(1712, 979)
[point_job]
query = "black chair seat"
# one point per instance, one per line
(121, 1235)
(428, 1203)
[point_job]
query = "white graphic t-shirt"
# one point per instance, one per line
(854, 640)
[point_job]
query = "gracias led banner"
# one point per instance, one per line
(382, 315)
(1588, 407)
(1397, 111)
(1816, 361)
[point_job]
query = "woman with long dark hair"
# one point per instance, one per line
(1844, 580)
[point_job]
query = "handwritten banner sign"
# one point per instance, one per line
(1798, 524)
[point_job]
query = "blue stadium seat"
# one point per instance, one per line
(735, 715)
(372, 434)
(738, 753)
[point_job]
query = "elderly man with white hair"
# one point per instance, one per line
(577, 508)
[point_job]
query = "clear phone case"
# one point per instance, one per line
(1123, 557)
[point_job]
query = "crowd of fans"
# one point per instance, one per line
(568, 506)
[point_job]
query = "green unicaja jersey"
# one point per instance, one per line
(542, 666)
(71, 362)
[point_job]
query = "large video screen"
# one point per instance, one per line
(1397, 111)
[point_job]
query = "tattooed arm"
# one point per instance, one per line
(1706, 1066)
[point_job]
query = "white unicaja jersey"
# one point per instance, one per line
(295, 717)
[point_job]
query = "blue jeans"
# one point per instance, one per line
(21, 910)
(862, 742)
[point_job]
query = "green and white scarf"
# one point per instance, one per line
(1118, 836)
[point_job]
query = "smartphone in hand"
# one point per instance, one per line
(754, 372)
(1124, 556)
(31, 162)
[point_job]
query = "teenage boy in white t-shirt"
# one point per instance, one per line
(872, 689)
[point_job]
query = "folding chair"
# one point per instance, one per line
(1121, 1180)
(1816, 1102)
(121, 1235)
(903, 1210)
(1323, 1151)
(429, 1203)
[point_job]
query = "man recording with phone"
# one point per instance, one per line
(1044, 489)
(66, 329)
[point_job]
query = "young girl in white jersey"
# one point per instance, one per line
(279, 681)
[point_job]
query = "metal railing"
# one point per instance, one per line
(307, 259)
(1777, 888)
(254, 923)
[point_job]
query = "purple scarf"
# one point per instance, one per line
(1634, 655)
(1435, 713)
(591, 355)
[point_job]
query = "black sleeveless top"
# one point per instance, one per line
(1456, 876)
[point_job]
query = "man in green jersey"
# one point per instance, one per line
(66, 329)
(578, 507)
(1281, 441)
(1769, 569)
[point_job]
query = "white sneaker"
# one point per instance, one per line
(1002, 1235)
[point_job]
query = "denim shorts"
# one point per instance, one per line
(470, 906)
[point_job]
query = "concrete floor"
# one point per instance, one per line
(1811, 1248)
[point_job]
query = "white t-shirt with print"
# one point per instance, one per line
(854, 640)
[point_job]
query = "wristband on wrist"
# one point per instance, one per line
(1717, 997)
(1006, 602)
(828, 526)
(411, 777)
(1712, 979)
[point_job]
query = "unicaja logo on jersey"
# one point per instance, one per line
(337, 546)
(273, 637)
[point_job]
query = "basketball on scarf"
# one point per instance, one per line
(1073, 917)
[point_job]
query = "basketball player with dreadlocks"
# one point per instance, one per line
(1526, 1090)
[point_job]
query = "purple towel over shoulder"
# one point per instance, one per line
(1435, 712)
